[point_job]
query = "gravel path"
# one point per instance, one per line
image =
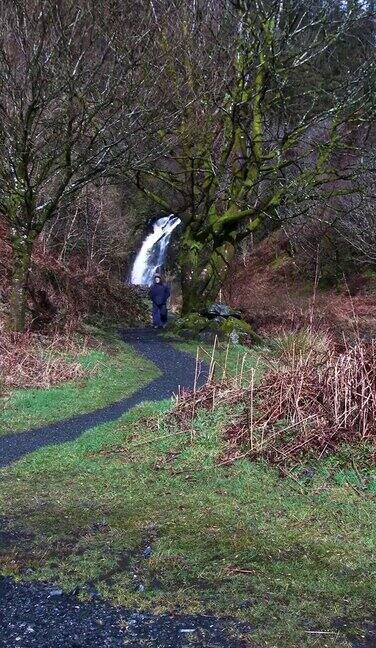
(178, 368)
(36, 615)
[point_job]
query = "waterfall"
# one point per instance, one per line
(153, 251)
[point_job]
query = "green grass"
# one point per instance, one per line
(235, 540)
(117, 372)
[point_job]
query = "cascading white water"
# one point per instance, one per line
(153, 250)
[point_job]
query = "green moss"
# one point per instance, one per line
(193, 322)
(196, 324)
(239, 326)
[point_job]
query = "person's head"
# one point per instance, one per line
(157, 279)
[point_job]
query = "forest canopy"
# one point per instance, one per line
(241, 116)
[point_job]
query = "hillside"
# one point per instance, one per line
(275, 292)
(73, 313)
(62, 294)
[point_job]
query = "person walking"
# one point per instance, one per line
(159, 294)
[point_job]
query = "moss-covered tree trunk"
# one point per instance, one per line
(22, 245)
(204, 267)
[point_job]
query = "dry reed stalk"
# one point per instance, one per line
(224, 372)
(212, 361)
(195, 390)
(240, 382)
(327, 400)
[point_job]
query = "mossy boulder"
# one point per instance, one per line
(235, 324)
(195, 325)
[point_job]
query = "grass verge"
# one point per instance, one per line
(114, 372)
(145, 513)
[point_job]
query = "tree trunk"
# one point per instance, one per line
(22, 246)
(204, 269)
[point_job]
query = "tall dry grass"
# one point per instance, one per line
(309, 406)
(32, 360)
(311, 398)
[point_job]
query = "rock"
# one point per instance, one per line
(92, 591)
(137, 617)
(234, 337)
(196, 326)
(220, 310)
(56, 592)
(147, 552)
(189, 325)
(207, 337)
(246, 605)
(241, 327)
(306, 473)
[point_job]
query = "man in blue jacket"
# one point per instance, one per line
(159, 294)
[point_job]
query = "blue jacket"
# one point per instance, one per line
(159, 293)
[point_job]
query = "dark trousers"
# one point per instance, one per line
(159, 314)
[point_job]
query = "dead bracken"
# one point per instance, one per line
(32, 360)
(304, 404)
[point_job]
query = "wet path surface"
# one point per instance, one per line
(177, 367)
(37, 615)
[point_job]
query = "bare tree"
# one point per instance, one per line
(77, 100)
(268, 91)
(99, 228)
